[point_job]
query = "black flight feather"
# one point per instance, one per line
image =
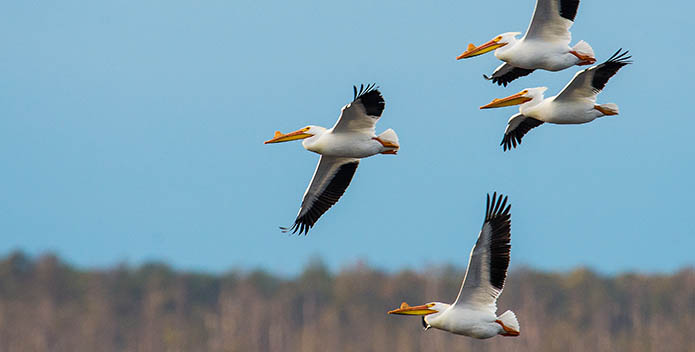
(513, 137)
(606, 70)
(568, 9)
(498, 217)
(371, 99)
(329, 196)
(513, 74)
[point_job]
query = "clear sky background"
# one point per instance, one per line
(133, 131)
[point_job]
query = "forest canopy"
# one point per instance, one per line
(48, 305)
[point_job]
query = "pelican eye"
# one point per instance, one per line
(524, 91)
(498, 38)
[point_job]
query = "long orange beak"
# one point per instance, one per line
(279, 137)
(405, 309)
(511, 100)
(472, 50)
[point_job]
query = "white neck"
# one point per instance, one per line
(536, 98)
(311, 142)
(438, 320)
(501, 52)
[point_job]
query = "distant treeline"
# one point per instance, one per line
(46, 305)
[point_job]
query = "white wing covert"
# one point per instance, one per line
(552, 20)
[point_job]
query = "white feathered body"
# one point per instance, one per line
(540, 54)
(467, 321)
(349, 144)
(568, 112)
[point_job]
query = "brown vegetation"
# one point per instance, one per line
(46, 305)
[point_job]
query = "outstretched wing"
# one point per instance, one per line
(363, 112)
(489, 259)
(517, 126)
(506, 73)
(331, 179)
(587, 83)
(552, 20)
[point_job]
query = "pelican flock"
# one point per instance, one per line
(473, 313)
(575, 104)
(341, 148)
(544, 46)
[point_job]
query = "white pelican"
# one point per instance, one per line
(474, 311)
(341, 148)
(576, 103)
(544, 46)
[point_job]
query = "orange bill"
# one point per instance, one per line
(511, 100)
(280, 137)
(405, 309)
(473, 50)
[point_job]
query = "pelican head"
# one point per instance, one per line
(306, 132)
(428, 311)
(496, 42)
(525, 96)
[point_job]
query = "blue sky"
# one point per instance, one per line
(132, 131)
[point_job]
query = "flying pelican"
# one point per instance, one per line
(474, 311)
(576, 103)
(545, 45)
(341, 149)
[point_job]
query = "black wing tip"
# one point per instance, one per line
(299, 228)
(497, 206)
(331, 194)
(620, 57)
(513, 138)
(506, 143)
(371, 98)
(508, 77)
(609, 68)
(372, 87)
(499, 219)
(497, 80)
(510, 141)
(568, 9)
